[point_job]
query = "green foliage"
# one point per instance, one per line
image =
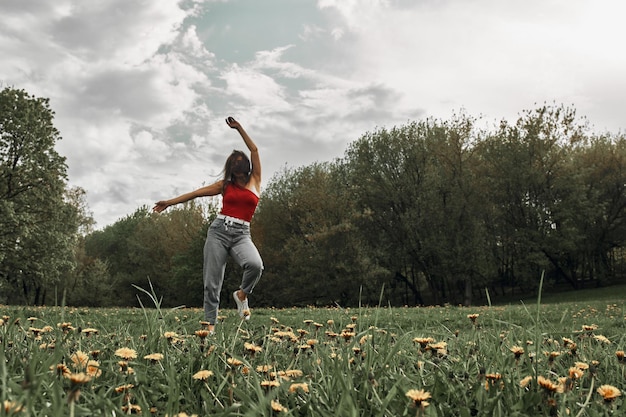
(353, 362)
(37, 223)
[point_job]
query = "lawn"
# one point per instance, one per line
(558, 356)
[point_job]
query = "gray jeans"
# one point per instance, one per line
(224, 238)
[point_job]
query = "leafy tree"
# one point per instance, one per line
(37, 224)
(416, 182)
(308, 241)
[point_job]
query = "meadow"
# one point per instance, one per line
(558, 357)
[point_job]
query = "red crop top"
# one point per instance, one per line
(239, 202)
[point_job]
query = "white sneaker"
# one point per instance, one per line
(242, 306)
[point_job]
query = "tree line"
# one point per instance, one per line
(430, 212)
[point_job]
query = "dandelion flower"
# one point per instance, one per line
(11, 407)
(423, 341)
(264, 368)
(131, 409)
(621, 356)
(170, 336)
(294, 373)
(124, 388)
(575, 373)
(473, 317)
(270, 384)
(609, 392)
(126, 353)
(525, 381)
(202, 334)
(202, 375)
(602, 339)
(581, 365)
(93, 369)
(61, 370)
(517, 351)
(419, 397)
(154, 357)
(546, 384)
(304, 387)
(252, 348)
(277, 407)
(234, 362)
(79, 359)
(89, 331)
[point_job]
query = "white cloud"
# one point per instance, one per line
(140, 88)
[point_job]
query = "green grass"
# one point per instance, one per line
(368, 374)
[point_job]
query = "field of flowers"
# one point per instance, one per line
(541, 360)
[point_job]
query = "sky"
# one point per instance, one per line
(141, 88)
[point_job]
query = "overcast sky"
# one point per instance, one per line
(141, 88)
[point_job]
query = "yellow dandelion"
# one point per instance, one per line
(621, 356)
(419, 397)
(264, 368)
(546, 384)
(347, 335)
(525, 381)
(89, 331)
(294, 373)
(61, 370)
(154, 357)
(79, 379)
(517, 351)
(473, 317)
(202, 375)
(423, 341)
(270, 383)
(79, 359)
(304, 387)
(575, 373)
(234, 362)
(609, 392)
(330, 322)
(131, 409)
(581, 365)
(202, 334)
(126, 353)
(602, 339)
(124, 388)
(93, 369)
(252, 348)
(170, 336)
(11, 407)
(277, 407)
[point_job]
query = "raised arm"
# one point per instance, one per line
(255, 175)
(207, 191)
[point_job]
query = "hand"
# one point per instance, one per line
(234, 124)
(160, 206)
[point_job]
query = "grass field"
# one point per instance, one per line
(560, 356)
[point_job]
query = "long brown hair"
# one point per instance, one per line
(229, 175)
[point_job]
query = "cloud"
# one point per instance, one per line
(140, 88)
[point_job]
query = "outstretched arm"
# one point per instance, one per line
(255, 175)
(209, 190)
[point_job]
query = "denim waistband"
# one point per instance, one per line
(232, 220)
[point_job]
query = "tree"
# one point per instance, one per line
(37, 224)
(305, 232)
(417, 184)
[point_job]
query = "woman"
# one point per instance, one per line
(230, 231)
